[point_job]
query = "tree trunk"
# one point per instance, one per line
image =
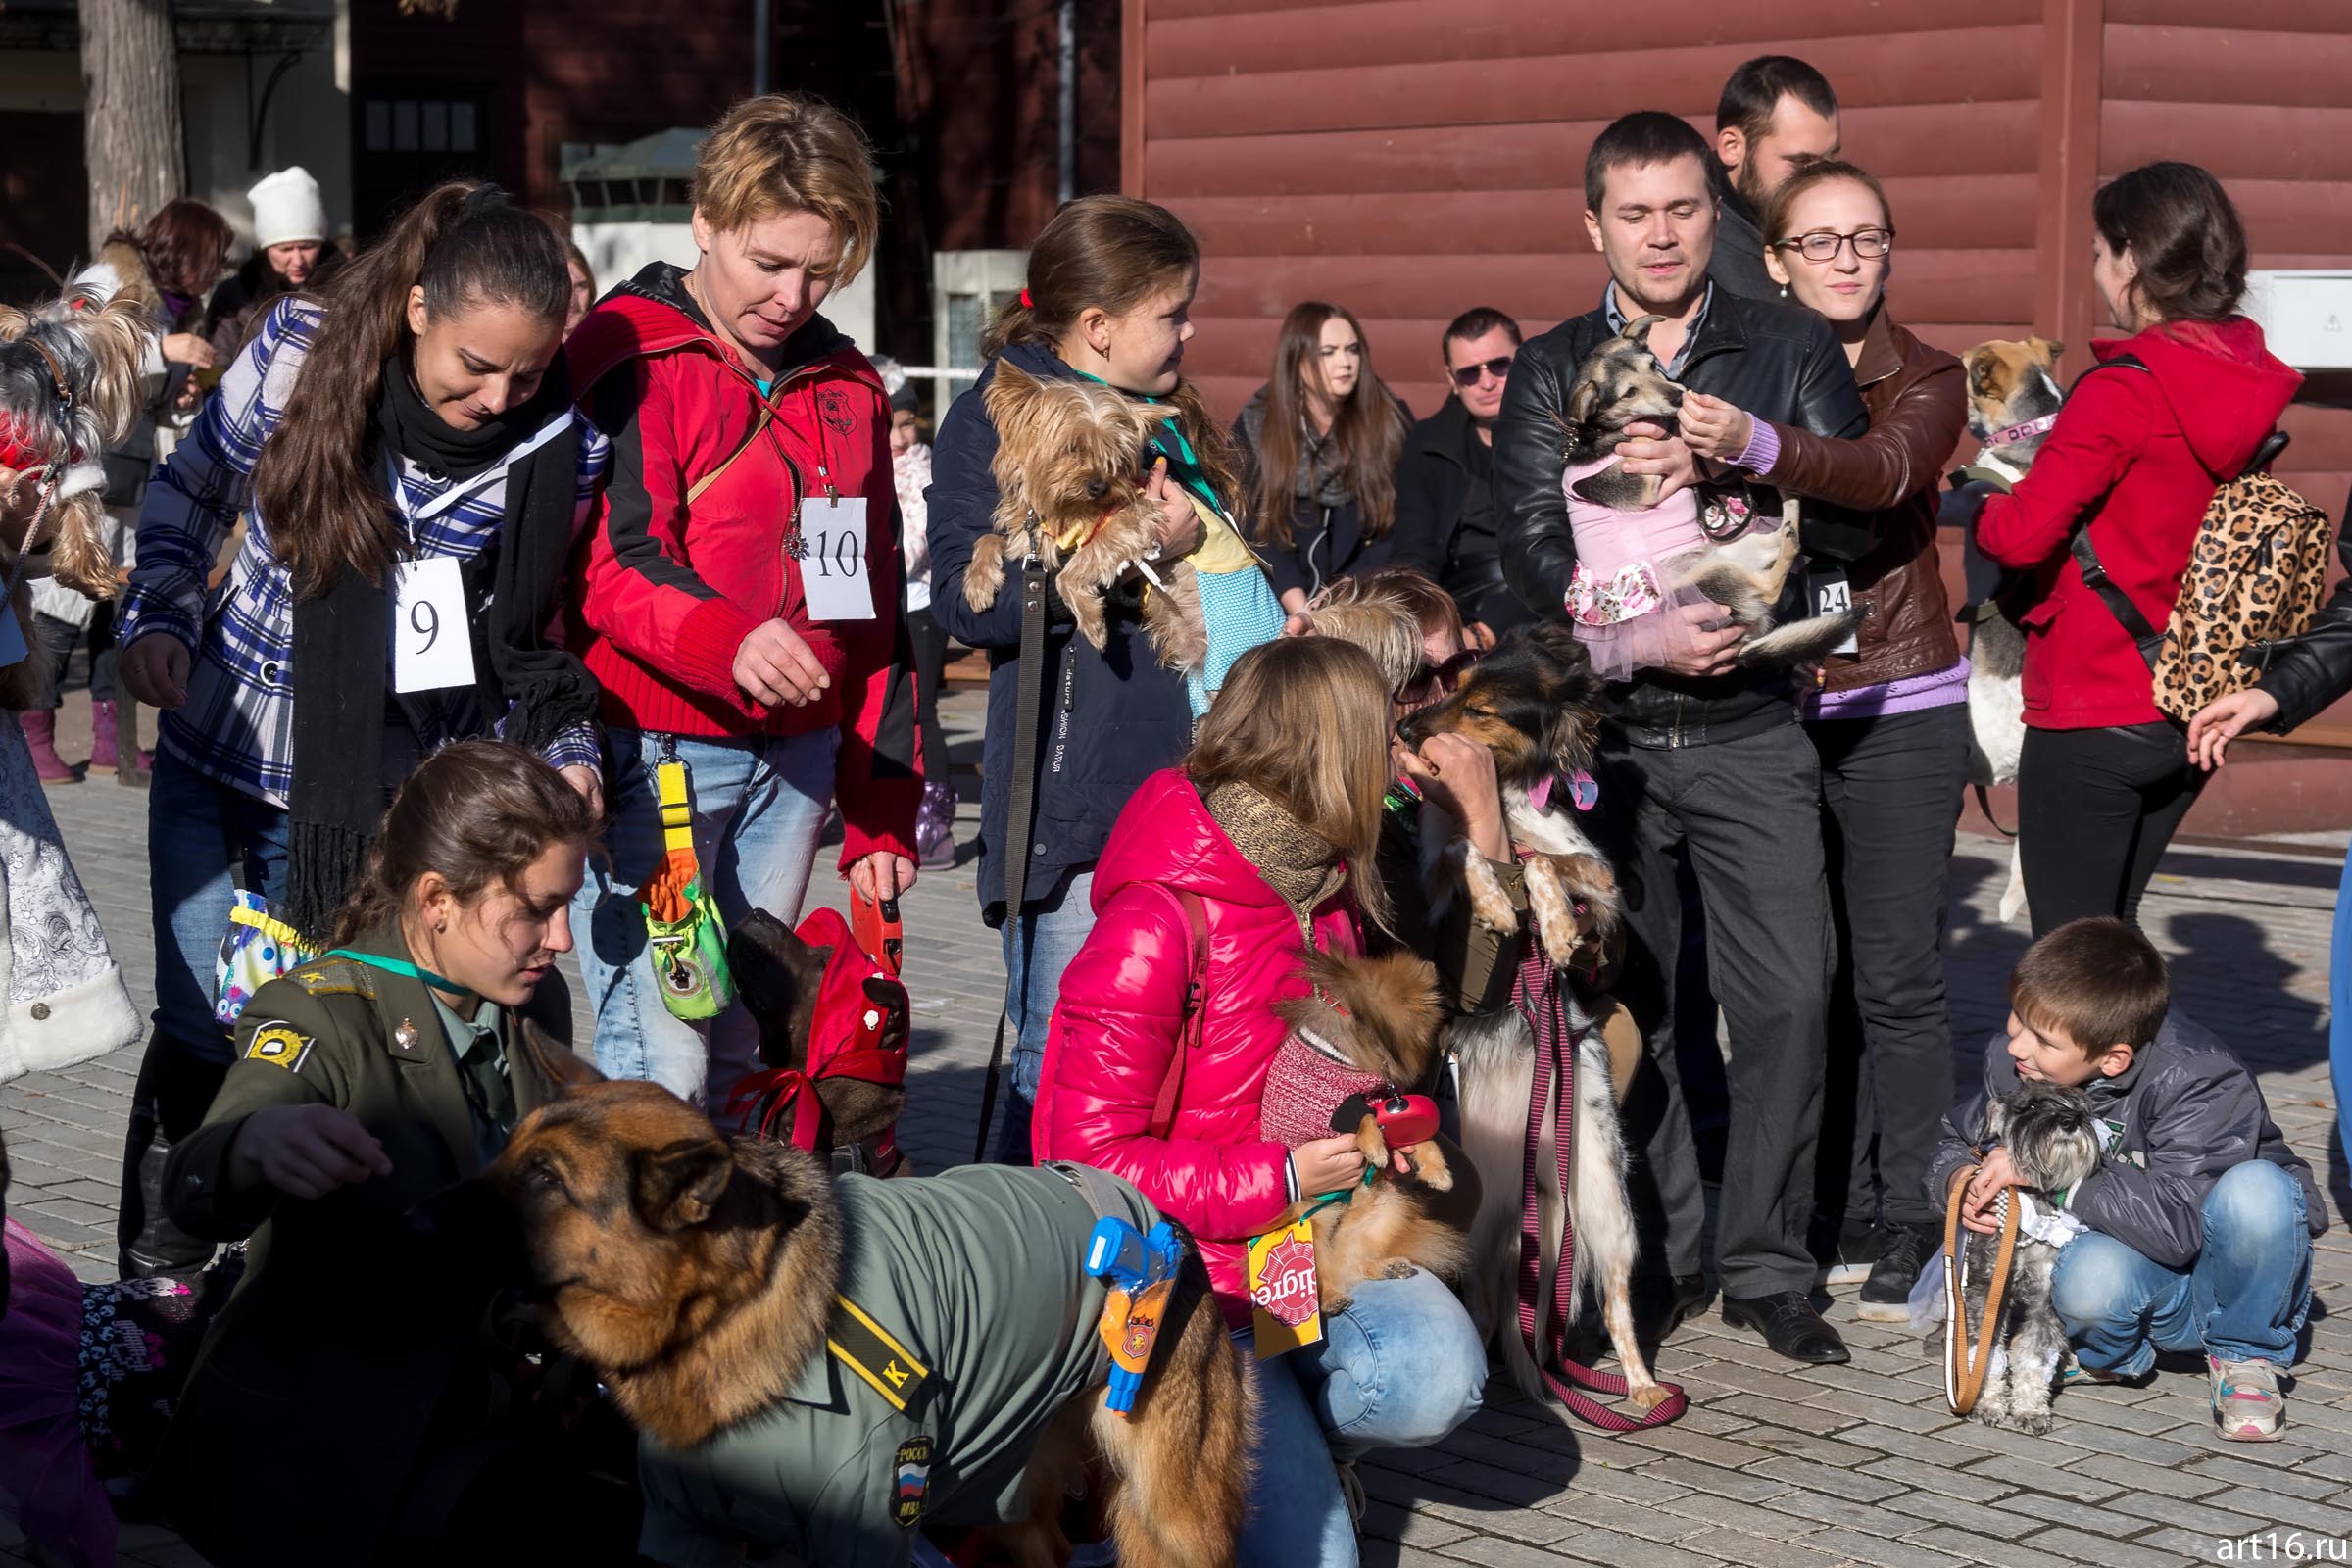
(130, 126)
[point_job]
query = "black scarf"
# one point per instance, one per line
(341, 637)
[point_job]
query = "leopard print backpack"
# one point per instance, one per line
(2256, 574)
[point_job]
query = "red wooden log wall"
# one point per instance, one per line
(1410, 159)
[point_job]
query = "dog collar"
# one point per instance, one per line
(2020, 432)
(1582, 791)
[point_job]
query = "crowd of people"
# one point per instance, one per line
(697, 574)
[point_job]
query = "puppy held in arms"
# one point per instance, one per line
(2054, 1141)
(1639, 560)
(1067, 456)
(1361, 1041)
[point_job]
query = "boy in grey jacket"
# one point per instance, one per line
(2200, 1218)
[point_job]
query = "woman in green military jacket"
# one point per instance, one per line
(343, 1403)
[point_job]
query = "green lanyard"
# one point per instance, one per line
(399, 966)
(1183, 462)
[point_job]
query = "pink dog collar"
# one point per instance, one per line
(2020, 432)
(1582, 792)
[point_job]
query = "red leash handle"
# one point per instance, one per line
(1540, 1004)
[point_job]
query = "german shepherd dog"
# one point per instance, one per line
(2013, 400)
(1534, 703)
(1383, 1017)
(1068, 454)
(1621, 383)
(698, 1276)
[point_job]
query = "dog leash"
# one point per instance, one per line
(1538, 997)
(1965, 1356)
(1029, 693)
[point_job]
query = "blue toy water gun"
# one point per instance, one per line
(1142, 1272)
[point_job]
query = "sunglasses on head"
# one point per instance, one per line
(1468, 374)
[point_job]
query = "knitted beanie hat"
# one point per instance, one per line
(287, 207)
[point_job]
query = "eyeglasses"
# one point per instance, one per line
(1432, 680)
(1823, 246)
(1468, 374)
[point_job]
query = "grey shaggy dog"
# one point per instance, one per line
(2054, 1141)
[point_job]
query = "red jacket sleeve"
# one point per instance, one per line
(878, 771)
(1116, 1030)
(2103, 428)
(639, 591)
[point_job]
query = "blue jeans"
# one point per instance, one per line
(760, 806)
(205, 839)
(1400, 1369)
(2243, 1299)
(1038, 947)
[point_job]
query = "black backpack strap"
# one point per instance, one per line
(2147, 638)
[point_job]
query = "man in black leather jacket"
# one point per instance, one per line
(1705, 751)
(1445, 517)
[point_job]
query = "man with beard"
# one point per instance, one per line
(1777, 115)
(1698, 749)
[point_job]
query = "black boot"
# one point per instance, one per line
(169, 1102)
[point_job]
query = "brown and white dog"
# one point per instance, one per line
(2013, 400)
(1534, 703)
(1067, 453)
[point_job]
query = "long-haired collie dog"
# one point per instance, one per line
(1534, 703)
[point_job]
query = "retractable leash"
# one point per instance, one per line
(1967, 1356)
(1539, 1001)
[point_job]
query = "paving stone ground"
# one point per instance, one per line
(1774, 1466)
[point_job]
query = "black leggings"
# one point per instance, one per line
(2095, 810)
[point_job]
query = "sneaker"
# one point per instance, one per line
(1849, 1258)
(2072, 1373)
(1903, 1250)
(2247, 1406)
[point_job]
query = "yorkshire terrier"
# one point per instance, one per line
(1363, 1039)
(2054, 1141)
(71, 374)
(1067, 454)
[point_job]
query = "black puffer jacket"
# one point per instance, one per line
(2185, 1110)
(1779, 365)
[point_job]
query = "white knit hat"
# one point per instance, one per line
(287, 207)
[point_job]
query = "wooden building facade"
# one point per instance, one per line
(1411, 160)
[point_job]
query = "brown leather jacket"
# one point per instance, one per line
(1917, 403)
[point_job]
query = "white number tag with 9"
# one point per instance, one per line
(432, 646)
(833, 570)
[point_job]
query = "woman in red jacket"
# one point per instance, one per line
(740, 593)
(2134, 457)
(1277, 840)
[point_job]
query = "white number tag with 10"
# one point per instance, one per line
(833, 572)
(432, 646)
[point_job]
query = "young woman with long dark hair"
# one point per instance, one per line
(1321, 440)
(2105, 777)
(408, 459)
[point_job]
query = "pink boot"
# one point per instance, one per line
(40, 735)
(103, 752)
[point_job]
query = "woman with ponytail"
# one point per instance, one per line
(418, 414)
(1110, 289)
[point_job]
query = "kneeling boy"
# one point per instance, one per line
(2200, 1218)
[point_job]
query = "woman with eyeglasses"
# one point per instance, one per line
(1319, 444)
(1891, 722)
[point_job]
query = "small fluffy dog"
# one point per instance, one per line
(70, 389)
(1622, 383)
(1376, 1020)
(2053, 1140)
(2013, 400)
(1534, 703)
(1067, 454)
